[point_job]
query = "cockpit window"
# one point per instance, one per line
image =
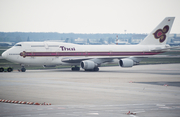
(17, 44)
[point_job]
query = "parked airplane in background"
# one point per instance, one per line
(89, 57)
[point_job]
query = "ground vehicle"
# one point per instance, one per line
(6, 69)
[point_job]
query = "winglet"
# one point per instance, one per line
(160, 34)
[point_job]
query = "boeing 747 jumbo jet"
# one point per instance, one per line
(89, 57)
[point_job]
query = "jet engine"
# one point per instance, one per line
(87, 64)
(126, 63)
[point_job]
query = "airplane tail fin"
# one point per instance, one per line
(160, 34)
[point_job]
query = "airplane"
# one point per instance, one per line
(89, 57)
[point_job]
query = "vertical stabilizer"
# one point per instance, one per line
(160, 34)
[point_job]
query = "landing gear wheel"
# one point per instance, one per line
(75, 68)
(86, 70)
(96, 69)
(23, 69)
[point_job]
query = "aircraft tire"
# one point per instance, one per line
(96, 69)
(75, 68)
(88, 69)
(23, 69)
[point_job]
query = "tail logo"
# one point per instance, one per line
(161, 34)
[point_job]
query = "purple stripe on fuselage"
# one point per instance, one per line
(31, 54)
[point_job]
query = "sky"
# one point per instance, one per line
(87, 16)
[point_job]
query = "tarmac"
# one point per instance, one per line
(144, 90)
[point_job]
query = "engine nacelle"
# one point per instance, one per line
(87, 64)
(126, 63)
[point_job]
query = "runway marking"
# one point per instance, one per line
(93, 113)
(160, 105)
(165, 107)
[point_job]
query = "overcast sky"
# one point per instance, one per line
(87, 16)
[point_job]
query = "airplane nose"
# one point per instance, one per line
(4, 55)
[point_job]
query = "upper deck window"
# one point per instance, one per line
(18, 44)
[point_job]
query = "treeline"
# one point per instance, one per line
(43, 36)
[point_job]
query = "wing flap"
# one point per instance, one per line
(98, 60)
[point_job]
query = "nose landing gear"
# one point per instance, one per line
(23, 69)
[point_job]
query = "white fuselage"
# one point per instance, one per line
(52, 53)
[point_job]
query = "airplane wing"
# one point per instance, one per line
(74, 59)
(98, 60)
(80, 59)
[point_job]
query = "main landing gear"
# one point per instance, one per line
(78, 68)
(95, 69)
(75, 68)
